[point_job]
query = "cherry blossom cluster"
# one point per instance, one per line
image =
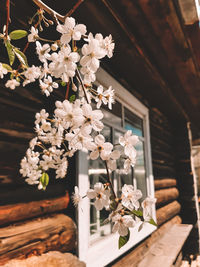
(126, 211)
(75, 124)
(61, 60)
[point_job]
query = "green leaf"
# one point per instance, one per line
(123, 240)
(6, 66)
(44, 179)
(21, 56)
(151, 221)
(72, 98)
(11, 53)
(138, 213)
(17, 34)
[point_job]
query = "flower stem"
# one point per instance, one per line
(67, 92)
(109, 180)
(81, 82)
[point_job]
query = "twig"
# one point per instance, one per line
(55, 14)
(67, 92)
(49, 10)
(109, 180)
(80, 79)
(74, 8)
(8, 15)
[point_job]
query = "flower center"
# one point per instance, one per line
(99, 196)
(99, 148)
(88, 120)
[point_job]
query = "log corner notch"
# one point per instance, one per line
(37, 236)
(190, 11)
(21, 211)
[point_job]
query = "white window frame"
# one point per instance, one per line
(102, 252)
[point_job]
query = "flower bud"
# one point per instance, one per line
(54, 47)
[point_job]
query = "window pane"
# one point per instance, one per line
(133, 123)
(113, 116)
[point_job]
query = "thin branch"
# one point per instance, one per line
(55, 14)
(8, 15)
(109, 180)
(83, 87)
(74, 8)
(67, 92)
(49, 10)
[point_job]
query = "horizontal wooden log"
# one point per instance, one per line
(57, 232)
(21, 211)
(164, 183)
(23, 193)
(165, 195)
(137, 254)
(167, 212)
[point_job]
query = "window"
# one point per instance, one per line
(95, 237)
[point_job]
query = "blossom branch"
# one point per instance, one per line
(49, 10)
(55, 14)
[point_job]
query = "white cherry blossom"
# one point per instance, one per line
(3, 71)
(128, 141)
(33, 36)
(147, 207)
(130, 197)
(92, 118)
(122, 224)
(100, 194)
(31, 74)
(92, 52)
(101, 148)
(43, 51)
(76, 197)
(70, 30)
(47, 85)
(12, 84)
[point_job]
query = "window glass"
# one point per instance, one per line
(133, 123)
(116, 116)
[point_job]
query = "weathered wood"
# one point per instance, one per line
(56, 232)
(167, 212)
(167, 254)
(164, 183)
(137, 254)
(21, 211)
(165, 195)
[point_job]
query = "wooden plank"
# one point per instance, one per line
(56, 232)
(164, 183)
(168, 247)
(166, 195)
(21, 211)
(167, 212)
(133, 258)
